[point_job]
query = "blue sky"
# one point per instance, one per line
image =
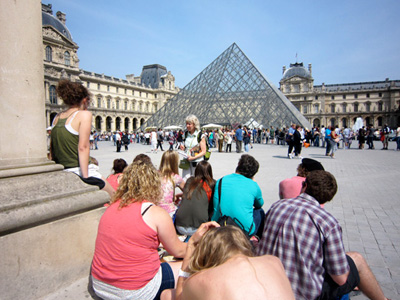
(345, 41)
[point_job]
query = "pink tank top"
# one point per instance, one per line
(126, 254)
(113, 180)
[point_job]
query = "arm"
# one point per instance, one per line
(340, 279)
(258, 201)
(166, 231)
(85, 118)
(203, 150)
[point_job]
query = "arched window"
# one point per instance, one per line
(67, 58)
(49, 53)
(52, 94)
(368, 106)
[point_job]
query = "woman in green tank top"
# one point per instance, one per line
(70, 144)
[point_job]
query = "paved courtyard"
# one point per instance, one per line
(367, 204)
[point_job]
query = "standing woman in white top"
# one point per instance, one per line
(70, 145)
(191, 146)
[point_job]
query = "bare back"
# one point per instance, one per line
(241, 277)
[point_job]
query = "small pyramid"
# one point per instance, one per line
(229, 91)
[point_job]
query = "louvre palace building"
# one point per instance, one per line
(117, 104)
(126, 104)
(377, 102)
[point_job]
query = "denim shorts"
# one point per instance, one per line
(167, 279)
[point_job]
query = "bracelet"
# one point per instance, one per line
(183, 273)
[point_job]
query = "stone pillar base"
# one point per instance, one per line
(48, 227)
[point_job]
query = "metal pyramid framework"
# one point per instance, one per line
(229, 91)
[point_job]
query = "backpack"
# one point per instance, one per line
(208, 153)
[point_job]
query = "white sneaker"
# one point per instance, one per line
(300, 157)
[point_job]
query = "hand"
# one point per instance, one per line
(182, 147)
(202, 230)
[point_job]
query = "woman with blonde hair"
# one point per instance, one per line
(194, 144)
(221, 265)
(169, 180)
(126, 263)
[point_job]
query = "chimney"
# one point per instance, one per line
(310, 69)
(283, 69)
(61, 17)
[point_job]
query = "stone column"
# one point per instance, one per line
(21, 85)
(48, 217)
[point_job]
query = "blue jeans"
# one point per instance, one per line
(259, 220)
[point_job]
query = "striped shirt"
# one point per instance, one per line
(308, 241)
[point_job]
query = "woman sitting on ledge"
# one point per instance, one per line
(69, 144)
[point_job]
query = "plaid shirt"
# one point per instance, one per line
(308, 241)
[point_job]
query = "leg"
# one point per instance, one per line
(368, 283)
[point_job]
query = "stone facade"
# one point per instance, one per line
(377, 102)
(117, 104)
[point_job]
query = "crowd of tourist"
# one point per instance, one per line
(230, 248)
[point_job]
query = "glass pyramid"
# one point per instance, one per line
(229, 91)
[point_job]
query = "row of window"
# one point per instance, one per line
(344, 122)
(367, 95)
(118, 103)
(49, 56)
(132, 92)
(344, 107)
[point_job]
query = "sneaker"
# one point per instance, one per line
(301, 157)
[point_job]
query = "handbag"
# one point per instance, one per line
(227, 220)
(207, 155)
(184, 164)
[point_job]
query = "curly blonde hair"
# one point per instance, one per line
(217, 246)
(140, 181)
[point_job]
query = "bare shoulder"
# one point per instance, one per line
(84, 114)
(267, 260)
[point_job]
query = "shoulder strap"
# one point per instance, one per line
(146, 209)
(219, 195)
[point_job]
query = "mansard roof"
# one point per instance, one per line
(358, 86)
(49, 20)
(296, 69)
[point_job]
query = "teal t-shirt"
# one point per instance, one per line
(240, 195)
